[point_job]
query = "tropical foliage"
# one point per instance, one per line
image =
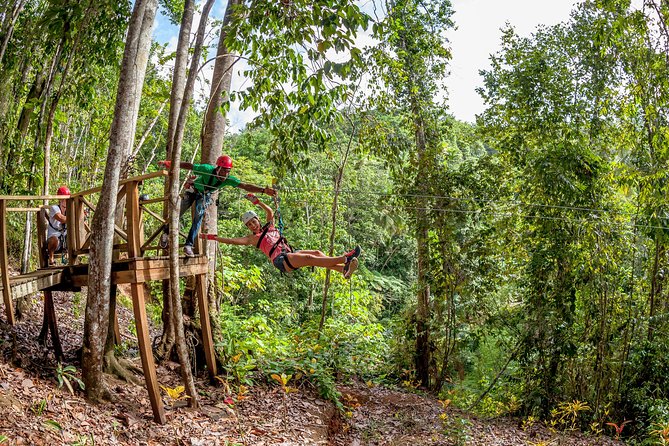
(513, 265)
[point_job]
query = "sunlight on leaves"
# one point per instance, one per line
(176, 393)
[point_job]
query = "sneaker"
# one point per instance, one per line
(352, 254)
(350, 267)
(188, 250)
(163, 240)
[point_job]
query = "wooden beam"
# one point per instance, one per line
(42, 254)
(205, 323)
(4, 264)
(33, 197)
(23, 209)
(153, 200)
(70, 236)
(80, 232)
(137, 179)
(139, 305)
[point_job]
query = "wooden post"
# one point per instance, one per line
(49, 321)
(139, 305)
(80, 233)
(52, 326)
(205, 323)
(4, 266)
(72, 229)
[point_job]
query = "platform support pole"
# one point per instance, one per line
(139, 304)
(4, 266)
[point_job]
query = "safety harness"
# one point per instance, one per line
(280, 241)
(61, 233)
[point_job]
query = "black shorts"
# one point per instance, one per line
(281, 261)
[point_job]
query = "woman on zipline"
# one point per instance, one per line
(270, 241)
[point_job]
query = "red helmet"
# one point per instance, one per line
(63, 190)
(224, 161)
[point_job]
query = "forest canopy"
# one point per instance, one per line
(514, 265)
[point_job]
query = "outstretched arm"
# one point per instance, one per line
(269, 213)
(168, 164)
(248, 240)
(257, 189)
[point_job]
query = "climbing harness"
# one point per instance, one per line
(62, 238)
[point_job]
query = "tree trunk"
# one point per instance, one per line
(175, 295)
(335, 204)
(133, 70)
(166, 346)
(422, 359)
(213, 132)
(655, 288)
(7, 33)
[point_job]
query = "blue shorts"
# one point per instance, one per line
(281, 261)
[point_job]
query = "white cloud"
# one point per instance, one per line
(478, 35)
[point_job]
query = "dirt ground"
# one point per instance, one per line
(35, 411)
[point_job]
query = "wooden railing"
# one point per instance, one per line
(80, 208)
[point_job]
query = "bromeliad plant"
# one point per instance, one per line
(64, 375)
(567, 413)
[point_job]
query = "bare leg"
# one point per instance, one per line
(52, 246)
(309, 258)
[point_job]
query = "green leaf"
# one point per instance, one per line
(51, 424)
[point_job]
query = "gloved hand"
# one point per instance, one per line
(252, 198)
(165, 163)
(208, 236)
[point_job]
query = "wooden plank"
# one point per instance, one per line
(23, 209)
(148, 365)
(139, 305)
(80, 232)
(146, 275)
(4, 264)
(164, 262)
(71, 231)
(154, 215)
(205, 323)
(33, 197)
(140, 178)
(41, 239)
(35, 284)
(153, 200)
(121, 233)
(161, 274)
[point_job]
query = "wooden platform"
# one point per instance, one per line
(72, 278)
(135, 270)
(34, 282)
(142, 269)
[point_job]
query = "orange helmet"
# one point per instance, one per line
(63, 190)
(224, 161)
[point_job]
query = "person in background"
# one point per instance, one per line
(57, 229)
(270, 241)
(209, 178)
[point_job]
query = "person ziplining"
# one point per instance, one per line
(273, 244)
(209, 178)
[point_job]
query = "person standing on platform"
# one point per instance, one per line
(57, 231)
(209, 178)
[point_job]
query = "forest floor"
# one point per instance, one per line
(35, 411)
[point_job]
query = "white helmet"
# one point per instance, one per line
(248, 216)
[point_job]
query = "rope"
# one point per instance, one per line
(277, 214)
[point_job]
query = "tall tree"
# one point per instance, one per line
(133, 70)
(411, 61)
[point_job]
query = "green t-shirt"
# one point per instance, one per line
(208, 182)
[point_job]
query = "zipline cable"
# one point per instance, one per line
(472, 211)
